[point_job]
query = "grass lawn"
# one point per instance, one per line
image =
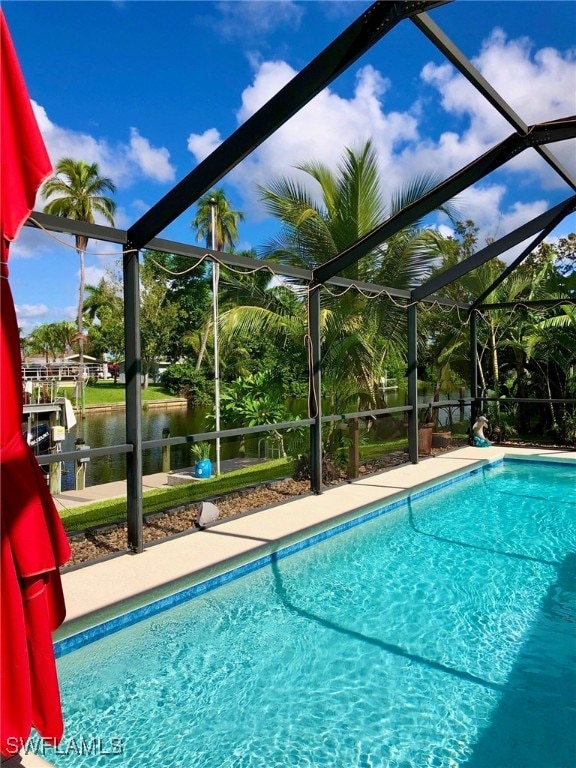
(376, 450)
(112, 511)
(108, 393)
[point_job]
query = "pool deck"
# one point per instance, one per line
(111, 587)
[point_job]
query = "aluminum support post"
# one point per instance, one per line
(133, 398)
(315, 391)
(412, 314)
(473, 367)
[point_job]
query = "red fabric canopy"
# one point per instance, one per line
(33, 541)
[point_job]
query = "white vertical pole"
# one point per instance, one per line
(215, 281)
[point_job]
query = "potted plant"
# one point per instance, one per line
(203, 466)
(442, 436)
(425, 433)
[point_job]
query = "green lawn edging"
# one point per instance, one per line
(113, 511)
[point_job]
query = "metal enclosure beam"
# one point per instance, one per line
(109, 234)
(542, 133)
(133, 400)
(412, 325)
(528, 304)
(315, 390)
(358, 38)
(39, 220)
(547, 220)
(526, 252)
(433, 32)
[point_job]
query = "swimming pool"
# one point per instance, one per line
(439, 633)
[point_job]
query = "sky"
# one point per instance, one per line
(148, 89)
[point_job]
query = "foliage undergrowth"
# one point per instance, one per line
(183, 380)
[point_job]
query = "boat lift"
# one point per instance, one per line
(46, 418)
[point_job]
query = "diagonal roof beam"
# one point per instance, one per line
(542, 133)
(359, 37)
(546, 221)
(433, 32)
(526, 252)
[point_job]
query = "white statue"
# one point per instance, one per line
(480, 439)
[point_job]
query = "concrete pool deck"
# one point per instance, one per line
(165, 566)
(103, 589)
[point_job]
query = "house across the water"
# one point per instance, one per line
(64, 368)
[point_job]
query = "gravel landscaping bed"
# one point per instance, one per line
(98, 543)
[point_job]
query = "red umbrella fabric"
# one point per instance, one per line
(33, 541)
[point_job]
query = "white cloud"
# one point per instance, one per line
(123, 163)
(29, 311)
(154, 162)
(538, 85)
(482, 205)
(252, 20)
(485, 206)
(94, 275)
(521, 213)
(30, 244)
(140, 206)
(70, 312)
(203, 144)
(404, 140)
(30, 315)
(320, 131)
(518, 75)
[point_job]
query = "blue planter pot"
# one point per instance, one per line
(203, 469)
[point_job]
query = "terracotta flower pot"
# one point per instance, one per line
(441, 439)
(425, 440)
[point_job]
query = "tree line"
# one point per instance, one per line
(263, 320)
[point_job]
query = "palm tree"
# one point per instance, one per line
(225, 221)
(516, 350)
(103, 310)
(51, 339)
(352, 204)
(77, 192)
(365, 333)
(217, 224)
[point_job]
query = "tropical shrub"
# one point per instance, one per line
(249, 401)
(183, 380)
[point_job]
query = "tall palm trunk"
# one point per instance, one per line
(203, 344)
(495, 365)
(81, 244)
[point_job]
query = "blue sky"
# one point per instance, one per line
(148, 89)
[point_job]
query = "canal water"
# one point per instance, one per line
(105, 428)
(109, 428)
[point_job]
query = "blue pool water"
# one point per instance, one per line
(440, 634)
